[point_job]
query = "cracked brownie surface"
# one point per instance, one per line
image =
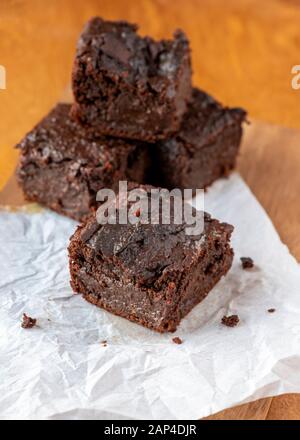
(152, 274)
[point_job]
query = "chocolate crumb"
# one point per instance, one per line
(177, 340)
(230, 321)
(28, 322)
(271, 310)
(247, 262)
(104, 343)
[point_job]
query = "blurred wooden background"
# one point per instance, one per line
(243, 53)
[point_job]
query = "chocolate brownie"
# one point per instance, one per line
(63, 165)
(204, 149)
(130, 86)
(152, 274)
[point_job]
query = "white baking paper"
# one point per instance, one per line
(61, 370)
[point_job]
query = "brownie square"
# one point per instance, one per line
(129, 86)
(63, 165)
(151, 274)
(204, 149)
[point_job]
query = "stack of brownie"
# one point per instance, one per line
(135, 117)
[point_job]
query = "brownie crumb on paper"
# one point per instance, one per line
(177, 340)
(28, 322)
(230, 321)
(247, 262)
(271, 310)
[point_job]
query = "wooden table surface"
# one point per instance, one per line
(243, 52)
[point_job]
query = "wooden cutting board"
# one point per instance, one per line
(237, 56)
(242, 53)
(270, 164)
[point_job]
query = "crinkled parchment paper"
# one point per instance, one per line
(60, 369)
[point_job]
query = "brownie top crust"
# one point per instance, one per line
(58, 138)
(115, 47)
(149, 254)
(205, 119)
